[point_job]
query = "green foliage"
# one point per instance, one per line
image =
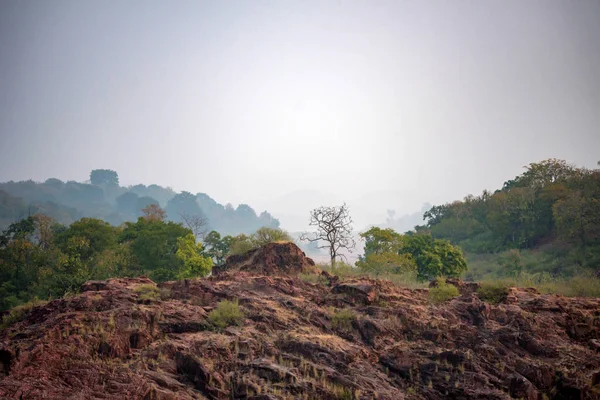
(493, 292)
(147, 292)
(343, 319)
(190, 254)
(97, 235)
(154, 246)
(217, 248)
(387, 263)
(267, 235)
(387, 251)
(552, 204)
(442, 292)
(378, 241)
(226, 313)
(434, 257)
(242, 243)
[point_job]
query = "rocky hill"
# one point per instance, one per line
(337, 339)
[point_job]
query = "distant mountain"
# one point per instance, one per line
(105, 199)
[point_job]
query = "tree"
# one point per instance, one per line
(190, 254)
(334, 227)
(127, 203)
(104, 177)
(153, 212)
(379, 241)
(434, 257)
(217, 248)
(99, 235)
(184, 204)
(196, 223)
(241, 244)
(153, 244)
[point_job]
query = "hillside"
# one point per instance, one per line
(336, 339)
(544, 223)
(104, 199)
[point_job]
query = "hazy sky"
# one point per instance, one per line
(286, 105)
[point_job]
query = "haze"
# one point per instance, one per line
(290, 105)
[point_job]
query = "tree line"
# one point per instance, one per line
(553, 205)
(103, 198)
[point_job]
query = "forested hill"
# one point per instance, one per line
(546, 219)
(105, 199)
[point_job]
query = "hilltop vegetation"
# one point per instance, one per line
(546, 221)
(103, 198)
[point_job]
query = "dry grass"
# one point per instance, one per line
(19, 313)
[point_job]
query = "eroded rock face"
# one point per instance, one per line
(106, 343)
(271, 259)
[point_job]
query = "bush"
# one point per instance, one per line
(242, 244)
(266, 235)
(343, 319)
(442, 292)
(493, 293)
(19, 313)
(147, 292)
(227, 313)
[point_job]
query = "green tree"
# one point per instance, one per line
(217, 248)
(99, 235)
(241, 244)
(434, 257)
(153, 244)
(379, 241)
(190, 254)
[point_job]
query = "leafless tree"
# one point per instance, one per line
(334, 227)
(197, 224)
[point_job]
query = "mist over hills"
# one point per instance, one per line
(102, 197)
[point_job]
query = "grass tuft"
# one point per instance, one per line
(442, 292)
(19, 313)
(493, 292)
(147, 292)
(227, 313)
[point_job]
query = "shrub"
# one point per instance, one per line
(312, 278)
(266, 235)
(242, 243)
(343, 319)
(226, 313)
(493, 293)
(147, 292)
(442, 292)
(19, 313)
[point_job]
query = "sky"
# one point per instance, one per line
(289, 105)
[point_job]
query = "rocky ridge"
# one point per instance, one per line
(336, 339)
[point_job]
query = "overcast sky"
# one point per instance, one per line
(286, 105)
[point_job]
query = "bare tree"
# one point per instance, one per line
(197, 224)
(334, 227)
(153, 212)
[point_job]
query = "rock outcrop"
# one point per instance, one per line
(272, 259)
(295, 342)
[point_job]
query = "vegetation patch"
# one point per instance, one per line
(442, 292)
(493, 293)
(227, 313)
(343, 319)
(19, 313)
(147, 292)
